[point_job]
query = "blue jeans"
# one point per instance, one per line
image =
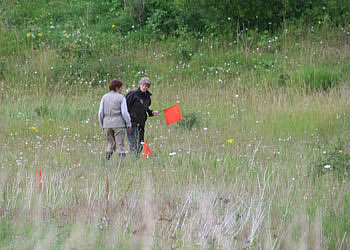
(136, 138)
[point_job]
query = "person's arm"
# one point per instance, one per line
(151, 112)
(125, 113)
(129, 99)
(100, 113)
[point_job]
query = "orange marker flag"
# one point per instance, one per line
(39, 179)
(146, 150)
(172, 114)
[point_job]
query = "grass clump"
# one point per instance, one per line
(42, 110)
(6, 230)
(190, 121)
(336, 161)
(320, 78)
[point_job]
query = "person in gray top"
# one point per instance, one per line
(114, 117)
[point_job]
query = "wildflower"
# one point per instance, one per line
(28, 34)
(172, 153)
(64, 32)
(327, 166)
(230, 140)
(113, 26)
(34, 128)
(40, 34)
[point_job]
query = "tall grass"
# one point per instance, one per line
(258, 191)
(245, 176)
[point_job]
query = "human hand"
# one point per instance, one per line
(155, 112)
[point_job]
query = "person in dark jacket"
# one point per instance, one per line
(138, 102)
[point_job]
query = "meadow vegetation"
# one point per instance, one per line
(260, 160)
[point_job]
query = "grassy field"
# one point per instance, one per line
(260, 161)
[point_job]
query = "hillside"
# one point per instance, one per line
(260, 160)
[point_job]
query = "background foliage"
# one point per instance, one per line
(92, 39)
(174, 16)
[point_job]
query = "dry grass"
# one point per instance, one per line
(256, 192)
(242, 178)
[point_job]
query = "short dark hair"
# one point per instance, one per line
(115, 84)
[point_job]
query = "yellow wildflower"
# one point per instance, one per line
(34, 128)
(230, 140)
(40, 34)
(28, 34)
(113, 26)
(64, 32)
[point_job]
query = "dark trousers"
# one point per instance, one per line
(136, 138)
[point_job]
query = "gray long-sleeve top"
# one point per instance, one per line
(113, 112)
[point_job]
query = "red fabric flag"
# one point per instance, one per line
(172, 114)
(146, 150)
(39, 179)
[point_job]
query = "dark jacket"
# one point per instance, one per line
(138, 106)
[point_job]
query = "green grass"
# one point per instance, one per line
(207, 181)
(240, 171)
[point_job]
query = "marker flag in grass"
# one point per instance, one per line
(172, 114)
(146, 150)
(39, 179)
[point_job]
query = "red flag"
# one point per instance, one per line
(172, 114)
(39, 179)
(146, 150)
